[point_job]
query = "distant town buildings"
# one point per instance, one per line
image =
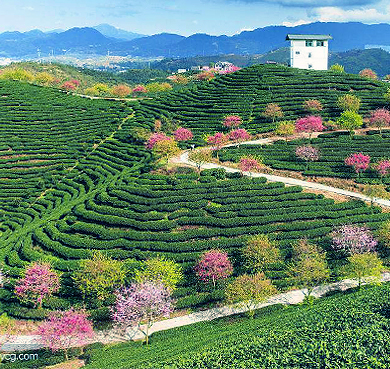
(309, 51)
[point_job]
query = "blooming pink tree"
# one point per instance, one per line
(380, 118)
(309, 124)
(307, 153)
(230, 69)
(39, 283)
(214, 265)
(75, 82)
(353, 239)
(141, 302)
(248, 164)
(154, 138)
(239, 135)
(358, 161)
(232, 121)
(65, 329)
(183, 134)
(140, 89)
(69, 86)
(368, 73)
(383, 167)
(217, 141)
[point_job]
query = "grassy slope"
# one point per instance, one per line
(344, 331)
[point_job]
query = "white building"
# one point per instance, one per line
(309, 51)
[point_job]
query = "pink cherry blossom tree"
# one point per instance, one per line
(214, 265)
(309, 124)
(142, 302)
(368, 73)
(65, 329)
(140, 89)
(383, 167)
(154, 138)
(307, 153)
(353, 239)
(232, 121)
(380, 118)
(182, 134)
(248, 164)
(358, 161)
(217, 141)
(239, 135)
(39, 283)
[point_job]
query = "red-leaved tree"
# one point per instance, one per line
(213, 266)
(183, 134)
(353, 239)
(154, 138)
(232, 121)
(65, 329)
(143, 302)
(358, 161)
(309, 124)
(39, 283)
(380, 118)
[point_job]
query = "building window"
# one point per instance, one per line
(297, 52)
(309, 55)
(310, 66)
(320, 43)
(309, 43)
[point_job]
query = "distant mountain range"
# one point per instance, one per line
(103, 38)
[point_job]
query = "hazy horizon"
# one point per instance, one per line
(214, 17)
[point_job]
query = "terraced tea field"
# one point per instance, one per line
(334, 148)
(75, 179)
(248, 91)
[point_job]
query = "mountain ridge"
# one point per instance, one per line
(89, 40)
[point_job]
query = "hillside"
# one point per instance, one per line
(247, 92)
(343, 331)
(71, 181)
(63, 72)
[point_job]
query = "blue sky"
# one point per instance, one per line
(185, 16)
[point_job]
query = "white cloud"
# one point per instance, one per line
(29, 8)
(244, 29)
(335, 14)
(296, 23)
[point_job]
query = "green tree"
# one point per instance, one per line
(99, 277)
(166, 148)
(337, 68)
(384, 234)
(365, 267)
(285, 128)
(260, 253)
(350, 121)
(309, 267)
(348, 102)
(17, 74)
(200, 157)
(249, 290)
(160, 270)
